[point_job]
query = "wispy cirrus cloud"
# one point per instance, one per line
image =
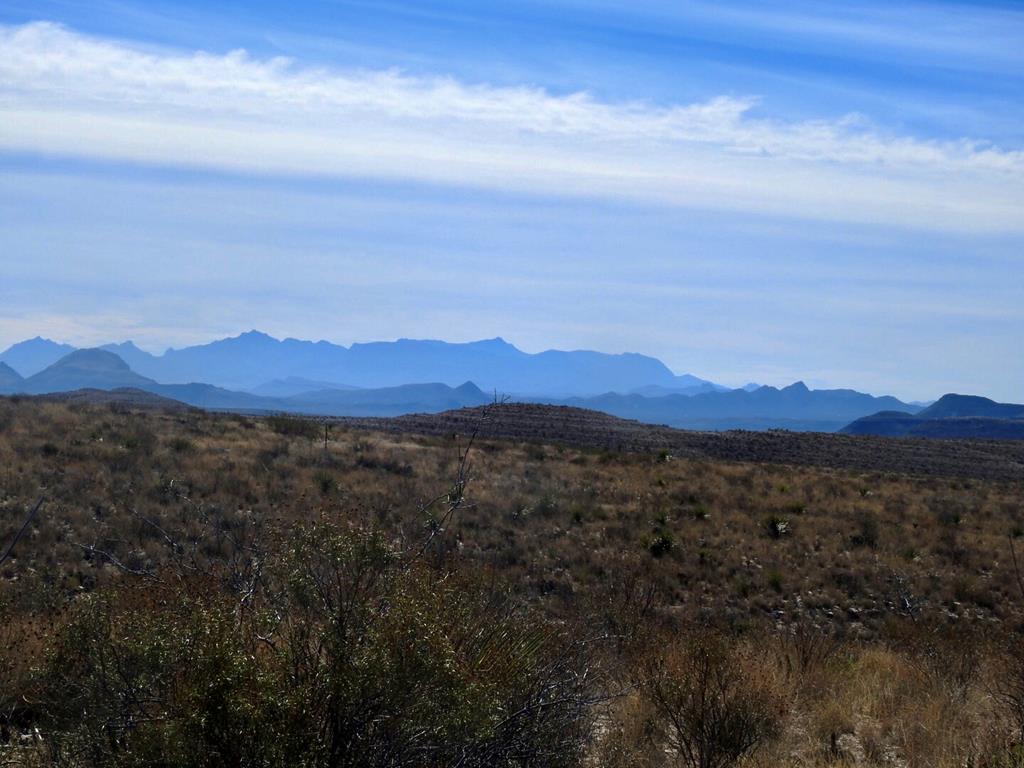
(65, 93)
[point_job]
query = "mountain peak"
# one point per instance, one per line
(469, 388)
(255, 335)
(953, 406)
(85, 369)
(33, 355)
(951, 398)
(92, 359)
(796, 387)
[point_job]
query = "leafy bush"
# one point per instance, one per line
(294, 426)
(662, 544)
(349, 653)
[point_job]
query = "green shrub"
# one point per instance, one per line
(661, 544)
(294, 426)
(348, 653)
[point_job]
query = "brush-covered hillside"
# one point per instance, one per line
(257, 591)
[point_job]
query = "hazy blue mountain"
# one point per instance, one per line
(252, 359)
(248, 360)
(295, 385)
(256, 372)
(686, 384)
(794, 407)
(31, 356)
(100, 369)
(687, 380)
(656, 390)
(954, 406)
(138, 360)
(389, 401)
(85, 369)
(214, 398)
(10, 380)
(951, 416)
(883, 424)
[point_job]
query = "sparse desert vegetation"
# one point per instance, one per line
(203, 589)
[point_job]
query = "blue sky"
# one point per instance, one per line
(747, 190)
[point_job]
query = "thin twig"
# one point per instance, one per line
(1016, 566)
(21, 531)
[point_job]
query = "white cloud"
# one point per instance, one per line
(65, 93)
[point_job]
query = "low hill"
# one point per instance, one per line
(85, 369)
(126, 397)
(950, 417)
(883, 424)
(561, 425)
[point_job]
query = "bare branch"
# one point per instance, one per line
(1016, 566)
(21, 531)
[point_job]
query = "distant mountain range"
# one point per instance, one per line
(84, 369)
(794, 407)
(249, 361)
(99, 369)
(31, 356)
(951, 417)
(684, 402)
(254, 372)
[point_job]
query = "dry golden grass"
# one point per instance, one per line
(912, 575)
(748, 543)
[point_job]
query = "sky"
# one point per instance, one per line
(750, 191)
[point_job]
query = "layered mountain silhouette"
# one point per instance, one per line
(102, 370)
(295, 385)
(254, 360)
(794, 407)
(690, 402)
(10, 379)
(85, 369)
(952, 416)
(33, 355)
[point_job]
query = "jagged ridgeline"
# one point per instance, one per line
(256, 373)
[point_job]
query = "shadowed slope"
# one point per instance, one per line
(560, 425)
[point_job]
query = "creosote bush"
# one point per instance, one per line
(347, 653)
(716, 701)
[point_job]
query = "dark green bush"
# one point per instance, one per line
(349, 653)
(662, 544)
(294, 426)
